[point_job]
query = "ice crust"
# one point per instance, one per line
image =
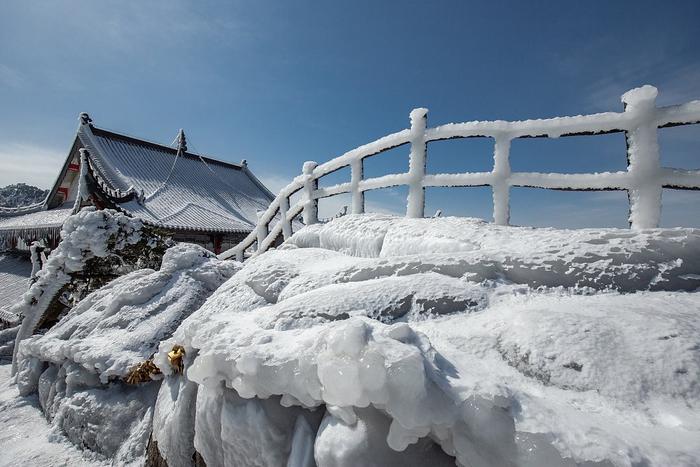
(121, 324)
(378, 340)
(534, 352)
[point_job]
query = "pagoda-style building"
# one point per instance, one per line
(195, 198)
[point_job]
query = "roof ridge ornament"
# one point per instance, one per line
(85, 118)
(181, 141)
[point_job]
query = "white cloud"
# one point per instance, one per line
(29, 164)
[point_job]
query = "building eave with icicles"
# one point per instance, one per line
(195, 198)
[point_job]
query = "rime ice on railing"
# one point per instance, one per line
(644, 162)
(644, 178)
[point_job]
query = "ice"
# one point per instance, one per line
(340, 444)
(379, 340)
(477, 343)
(644, 159)
(173, 421)
(228, 430)
(121, 324)
(78, 367)
(416, 164)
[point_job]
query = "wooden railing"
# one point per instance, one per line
(644, 178)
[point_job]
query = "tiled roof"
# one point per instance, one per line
(190, 191)
(14, 281)
(186, 191)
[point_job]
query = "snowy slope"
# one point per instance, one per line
(420, 339)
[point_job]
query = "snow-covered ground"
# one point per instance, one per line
(27, 438)
(377, 340)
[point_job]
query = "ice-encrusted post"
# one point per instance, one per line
(83, 192)
(416, 164)
(500, 185)
(358, 196)
(286, 223)
(310, 212)
(643, 160)
(261, 230)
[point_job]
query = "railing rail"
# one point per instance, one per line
(644, 178)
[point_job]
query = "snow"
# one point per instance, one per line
(416, 164)
(381, 340)
(190, 192)
(121, 324)
(84, 236)
(501, 173)
(448, 339)
(27, 438)
(600, 258)
(77, 367)
(50, 218)
(15, 271)
(644, 159)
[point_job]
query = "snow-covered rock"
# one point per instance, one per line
(78, 367)
(96, 247)
(501, 345)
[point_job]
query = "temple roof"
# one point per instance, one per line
(161, 185)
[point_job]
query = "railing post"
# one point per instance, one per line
(643, 160)
(416, 164)
(310, 212)
(261, 230)
(358, 196)
(500, 185)
(286, 223)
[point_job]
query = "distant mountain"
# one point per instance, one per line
(21, 194)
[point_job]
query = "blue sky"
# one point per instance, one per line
(278, 83)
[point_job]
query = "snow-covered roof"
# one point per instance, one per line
(162, 186)
(14, 281)
(189, 191)
(36, 219)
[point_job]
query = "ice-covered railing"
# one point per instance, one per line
(644, 178)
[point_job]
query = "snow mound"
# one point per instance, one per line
(433, 341)
(77, 367)
(121, 324)
(621, 259)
